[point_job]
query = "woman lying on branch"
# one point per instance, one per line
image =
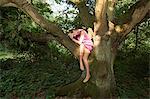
(81, 37)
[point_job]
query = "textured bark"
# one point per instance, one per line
(101, 84)
(86, 18)
(133, 17)
(3, 2)
(138, 14)
(100, 26)
(52, 28)
(101, 61)
(102, 73)
(102, 58)
(110, 16)
(110, 9)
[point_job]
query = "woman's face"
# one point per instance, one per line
(75, 32)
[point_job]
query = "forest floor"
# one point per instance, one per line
(22, 78)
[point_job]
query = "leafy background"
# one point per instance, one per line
(29, 69)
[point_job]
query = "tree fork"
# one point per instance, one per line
(102, 57)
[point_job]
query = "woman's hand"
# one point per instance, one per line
(70, 35)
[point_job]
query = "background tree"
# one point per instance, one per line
(110, 32)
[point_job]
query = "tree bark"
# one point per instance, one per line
(101, 62)
(52, 28)
(86, 18)
(102, 58)
(100, 26)
(134, 16)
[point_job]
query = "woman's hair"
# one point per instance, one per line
(90, 32)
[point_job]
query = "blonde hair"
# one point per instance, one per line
(90, 32)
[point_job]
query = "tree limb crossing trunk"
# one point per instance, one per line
(102, 58)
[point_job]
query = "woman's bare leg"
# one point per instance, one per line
(81, 57)
(85, 59)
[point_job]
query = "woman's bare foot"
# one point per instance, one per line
(86, 79)
(81, 67)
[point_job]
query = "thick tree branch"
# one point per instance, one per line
(110, 16)
(9, 5)
(136, 15)
(53, 29)
(100, 26)
(110, 10)
(3, 2)
(33, 13)
(86, 18)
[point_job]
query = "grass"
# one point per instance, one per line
(31, 76)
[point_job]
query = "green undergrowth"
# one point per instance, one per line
(131, 72)
(38, 74)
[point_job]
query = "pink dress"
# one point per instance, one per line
(87, 42)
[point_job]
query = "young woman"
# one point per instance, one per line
(81, 37)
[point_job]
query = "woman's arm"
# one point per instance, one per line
(81, 37)
(76, 41)
(71, 36)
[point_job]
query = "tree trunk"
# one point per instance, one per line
(102, 69)
(102, 82)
